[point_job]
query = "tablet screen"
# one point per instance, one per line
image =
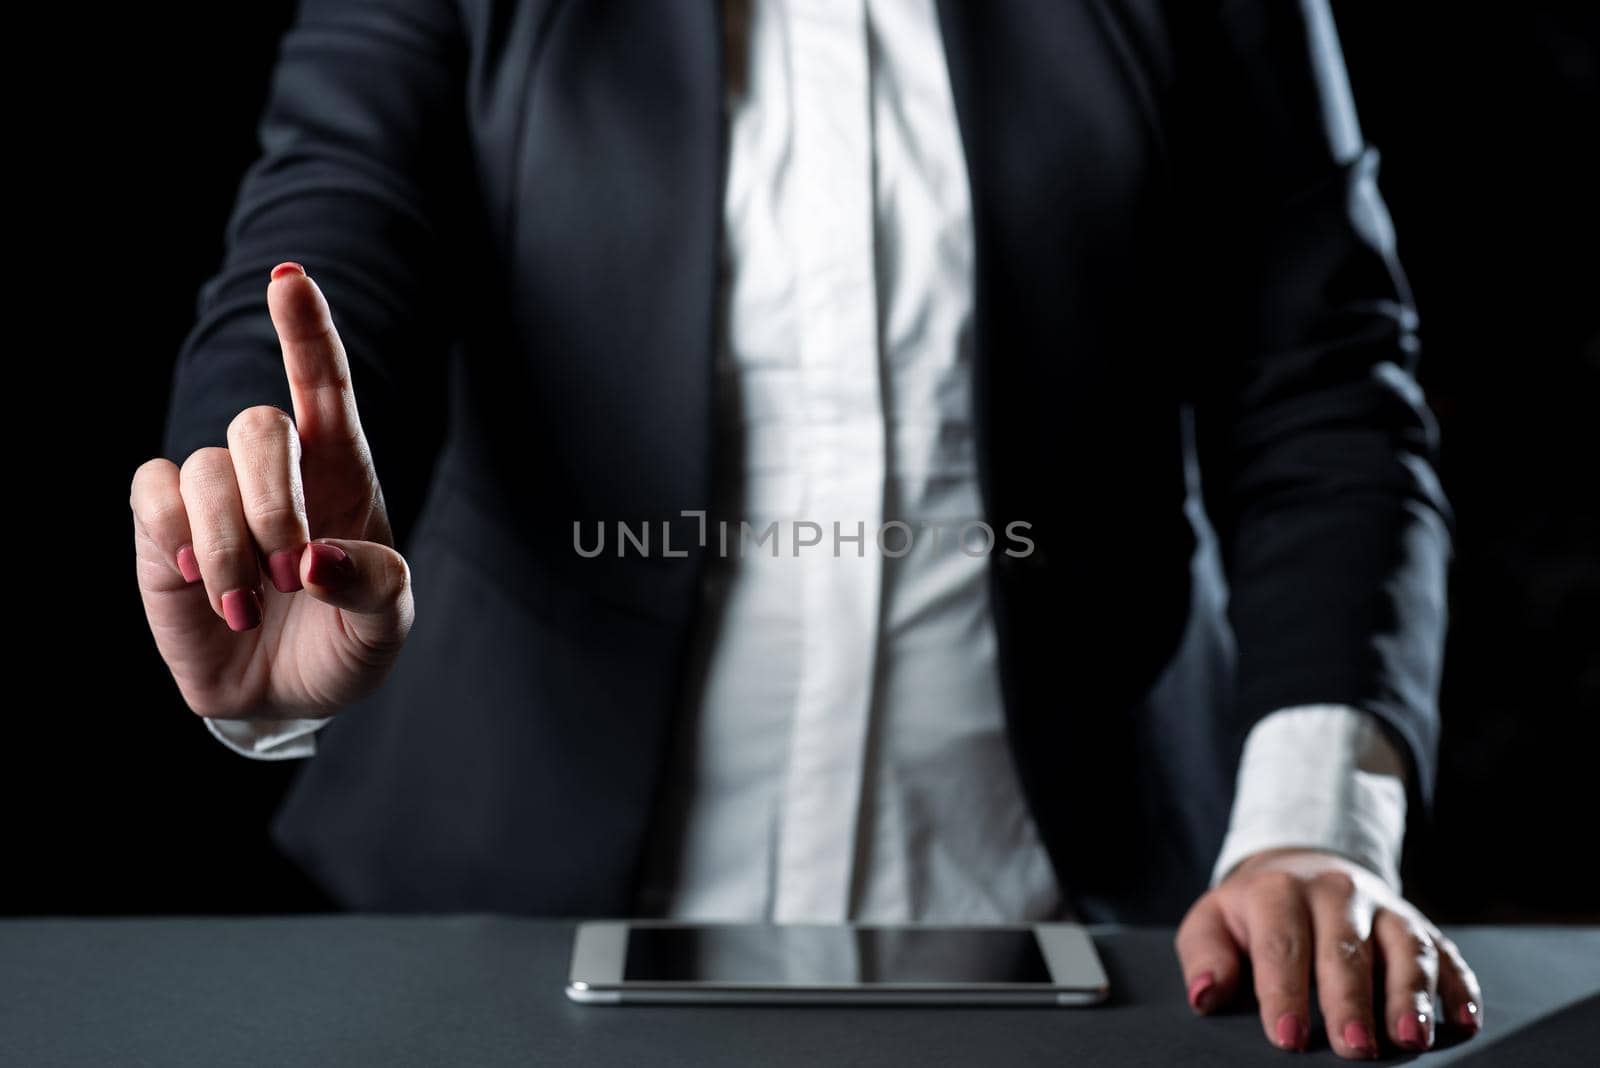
(804, 955)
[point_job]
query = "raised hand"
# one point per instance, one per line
(267, 568)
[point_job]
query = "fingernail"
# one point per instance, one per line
(287, 267)
(1200, 992)
(188, 566)
(242, 609)
(330, 565)
(1412, 1030)
(1290, 1031)
(1467, 1016)
(284, 567)
(1359, 1039)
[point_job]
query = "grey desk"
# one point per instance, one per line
(488, 991)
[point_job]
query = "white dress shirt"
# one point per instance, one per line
(846, 758)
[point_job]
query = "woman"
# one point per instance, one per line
(840, 278)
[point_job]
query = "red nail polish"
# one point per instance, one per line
(1200, 992)
(1467, 1016)
(330, 565)
(188, 566)
(242, 609)
(287, 267)
(284, 567)
(1412, 1030)
(1359, 1039)
(1290, 1031)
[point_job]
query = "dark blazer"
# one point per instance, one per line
(1184, 272)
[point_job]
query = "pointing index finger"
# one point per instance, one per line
(314, 361)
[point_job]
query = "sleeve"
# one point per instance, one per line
(363, 141)
(1319, 777)
(288, 739)
(1317, 450)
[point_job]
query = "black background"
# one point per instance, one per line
(134, 134)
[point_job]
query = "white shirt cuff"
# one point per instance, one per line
(274, 739)
(1319, 777)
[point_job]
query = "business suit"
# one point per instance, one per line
(567, 159)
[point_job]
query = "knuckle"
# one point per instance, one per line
(154, 498)
(263, 423)
(1347, 947)
(1282, 945)
(225, 551)
(1408, 1000)
(1420, 944)
(274, 516)
(206, 457)
(205, 464)
(1334, 883)
(151, 476)
(1418, 965)
(161, 514)
(313, 330)
(1278, 883)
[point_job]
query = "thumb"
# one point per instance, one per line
(1209, 956)
(370, 583)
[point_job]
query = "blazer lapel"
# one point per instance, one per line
(617, 246)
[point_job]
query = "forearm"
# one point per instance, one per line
(1318, 450)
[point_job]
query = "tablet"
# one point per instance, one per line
(655, 961)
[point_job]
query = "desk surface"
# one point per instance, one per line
(488, 991)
